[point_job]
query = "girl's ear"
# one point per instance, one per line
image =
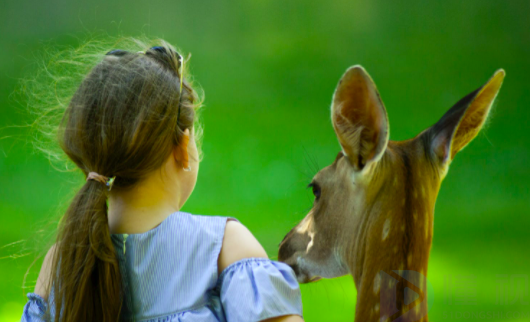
(180, 152)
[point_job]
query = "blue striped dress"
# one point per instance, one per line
(170, 274)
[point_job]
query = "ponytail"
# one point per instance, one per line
(87, 284)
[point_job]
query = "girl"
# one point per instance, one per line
(130, 128)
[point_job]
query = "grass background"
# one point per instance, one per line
(268, 69)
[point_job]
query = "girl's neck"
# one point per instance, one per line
(141, 208)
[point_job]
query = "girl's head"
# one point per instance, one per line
(129, 114)
(126, 118)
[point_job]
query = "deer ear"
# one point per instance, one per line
(359, 118)
(464, 120)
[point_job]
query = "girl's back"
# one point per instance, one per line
(170, 273)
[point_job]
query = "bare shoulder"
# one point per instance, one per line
(238, 243)
(43, 281)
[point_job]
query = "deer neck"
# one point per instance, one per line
(389, 255)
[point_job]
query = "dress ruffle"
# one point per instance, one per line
(34, 309)
(255, 289)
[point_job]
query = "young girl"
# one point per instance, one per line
(130, 128)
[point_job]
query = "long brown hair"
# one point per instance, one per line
(121, 121)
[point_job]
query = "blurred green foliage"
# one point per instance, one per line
(268, 69)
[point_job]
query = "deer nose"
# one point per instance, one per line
(296, 269)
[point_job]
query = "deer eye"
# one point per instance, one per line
(316, 189)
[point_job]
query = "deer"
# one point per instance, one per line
(373, 209)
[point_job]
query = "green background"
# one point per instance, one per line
(268, 69)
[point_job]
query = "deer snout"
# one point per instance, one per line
(292, 249)
(292, 244)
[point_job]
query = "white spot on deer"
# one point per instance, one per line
(306, 227)
(386, 228)
(310, 244)
(383, 318)
(377, 283)
(306, 224)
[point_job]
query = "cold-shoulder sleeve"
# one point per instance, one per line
(255, 289)
(34, 309)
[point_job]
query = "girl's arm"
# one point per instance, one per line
(239, 243)
(43, 281)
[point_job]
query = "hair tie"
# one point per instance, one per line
(98, 177)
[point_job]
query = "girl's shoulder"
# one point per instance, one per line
(231, 240)
(238, 243)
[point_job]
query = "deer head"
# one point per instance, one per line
(373, 210)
